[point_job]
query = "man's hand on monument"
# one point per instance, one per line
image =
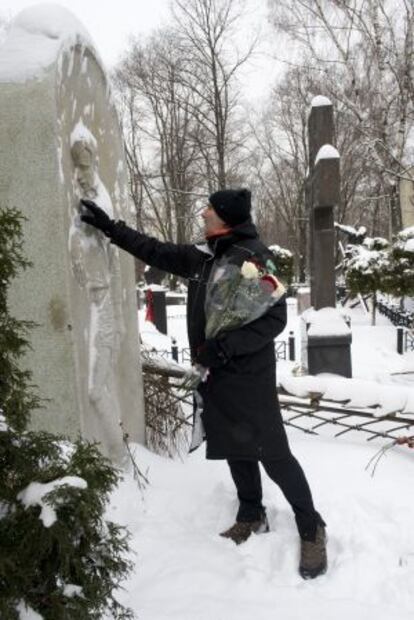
(211, 354)
(95, 216)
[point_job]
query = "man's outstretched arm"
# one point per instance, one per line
(178, 259)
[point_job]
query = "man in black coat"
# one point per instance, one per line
(241, 413)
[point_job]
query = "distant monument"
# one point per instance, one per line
(60, 141)
(407, 198)
(328, 337)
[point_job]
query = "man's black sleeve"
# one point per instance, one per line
(178, 259)
(255, 335)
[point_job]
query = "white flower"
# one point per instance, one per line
(249, 270)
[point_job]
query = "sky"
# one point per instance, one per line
(111, 24)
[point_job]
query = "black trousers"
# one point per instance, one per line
(289, 476)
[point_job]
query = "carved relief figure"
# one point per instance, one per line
(95, 264)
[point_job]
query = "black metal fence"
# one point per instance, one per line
(284, 350)
(310, 417)
(398, 317)
(405, 340)
(409, 341)
(403, 320)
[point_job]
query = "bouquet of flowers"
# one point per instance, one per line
(236, 296)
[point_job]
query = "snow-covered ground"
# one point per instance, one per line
(185, 571)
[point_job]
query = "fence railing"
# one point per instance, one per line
(409, 341)
(310, 417)
(312, 414)
(284, 350)
(403, 320)
(398, 317)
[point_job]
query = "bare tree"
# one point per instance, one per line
(205, 29)
(161, 135)
(280, 167)
(363, 49)
(180, 108)
(280, 170)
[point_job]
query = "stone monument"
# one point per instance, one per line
(407, 198)
(329, 350)
(60, 141)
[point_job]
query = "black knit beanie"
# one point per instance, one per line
(232, 205)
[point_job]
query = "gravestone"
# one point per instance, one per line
(328, 350)
(60, 141)
(323, 196)
(153, 275)
(160, 309)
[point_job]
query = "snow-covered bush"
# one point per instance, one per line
(59, 559)
(284, 263)
(375, 243)
(375, 266)
(59, 556)
(366, 271)
(402, 257)
(16, 397)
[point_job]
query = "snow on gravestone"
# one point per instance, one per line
(60, 141)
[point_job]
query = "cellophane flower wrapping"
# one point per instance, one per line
(237, 295)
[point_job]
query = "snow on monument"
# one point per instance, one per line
(60, 141)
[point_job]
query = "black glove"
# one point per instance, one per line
(95, 216)
(211, 354)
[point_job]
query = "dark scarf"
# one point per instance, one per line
(218, 244)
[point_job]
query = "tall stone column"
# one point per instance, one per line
(323, 189)
(60, 141)
(328, 337)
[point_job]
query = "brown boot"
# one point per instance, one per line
(241, 530)
(313, 559)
